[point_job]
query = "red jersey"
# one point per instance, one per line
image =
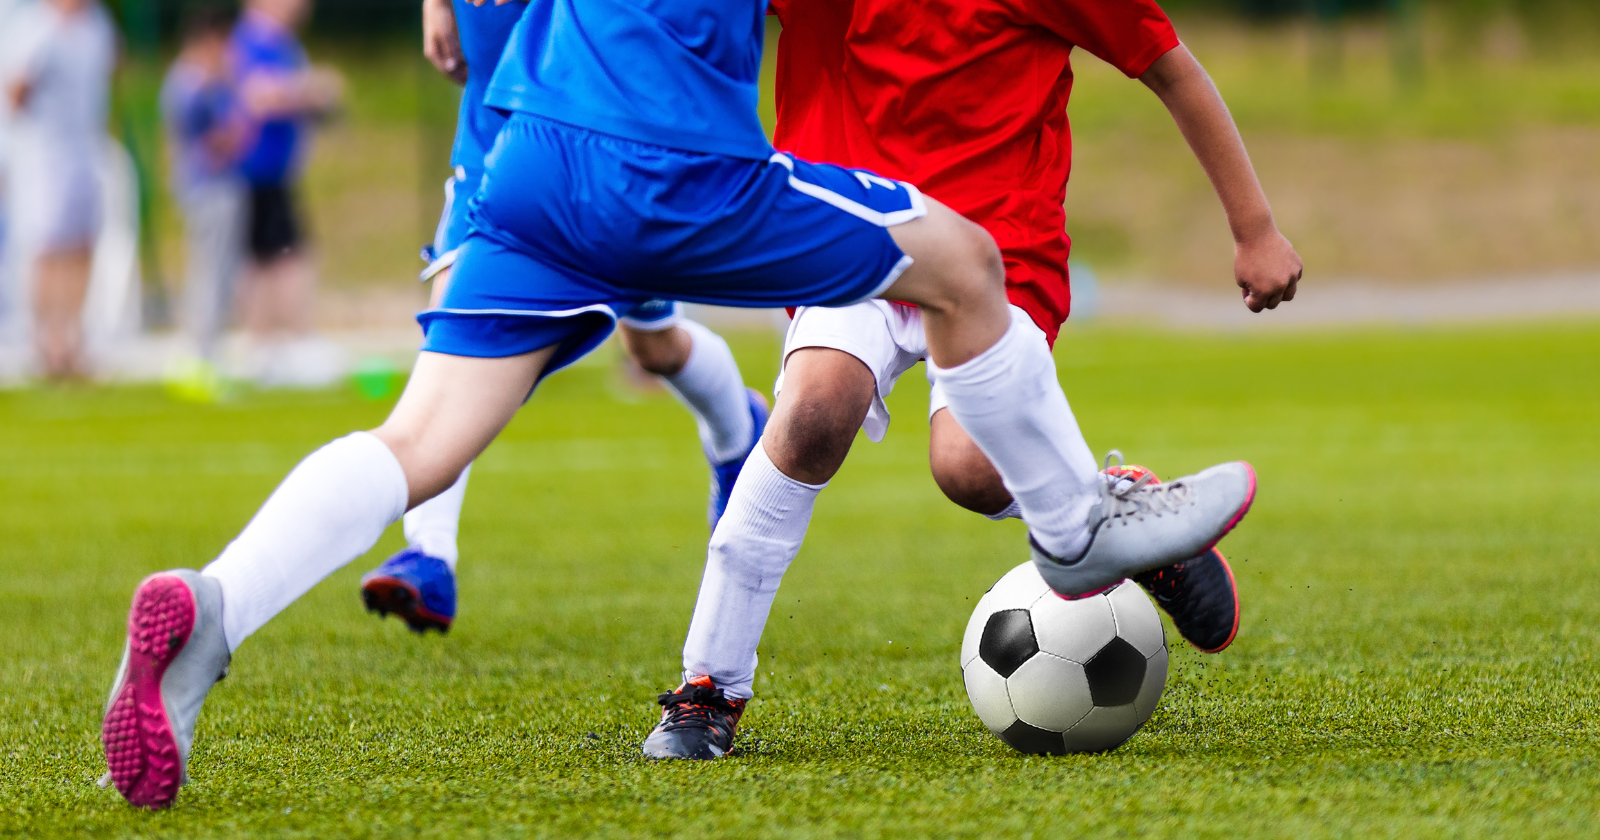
(967, 99)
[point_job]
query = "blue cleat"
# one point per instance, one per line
(724, 475)
(419, 588)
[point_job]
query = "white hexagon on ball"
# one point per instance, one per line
(1074, 630)
(1049, 692)
(987, 691)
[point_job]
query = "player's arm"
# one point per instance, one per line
(1264, 263)
(273, 94)
(441, 43)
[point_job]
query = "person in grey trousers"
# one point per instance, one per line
(207, 132)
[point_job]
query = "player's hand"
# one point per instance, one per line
(1267, 270)
(440, 42)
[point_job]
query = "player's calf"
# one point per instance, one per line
(961, 469)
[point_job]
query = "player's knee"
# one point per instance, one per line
(660, 352)
(972, 270)
(809, 439)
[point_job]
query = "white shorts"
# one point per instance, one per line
(60, 189)
(886, 337)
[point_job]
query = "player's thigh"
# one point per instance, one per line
(451, 409)
(955, 262)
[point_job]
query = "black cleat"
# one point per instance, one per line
(1201, 597)
(1199, 593)
(697, 722)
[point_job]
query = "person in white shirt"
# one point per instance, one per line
(55, 73)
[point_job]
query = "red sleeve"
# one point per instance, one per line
(778, 8)
(1127, 34)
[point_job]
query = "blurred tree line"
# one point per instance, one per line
(152, 21)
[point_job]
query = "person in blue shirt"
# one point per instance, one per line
(632, 168)
(284, 95)
(418, 584)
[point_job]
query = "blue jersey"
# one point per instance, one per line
(484, 31)
(675, 73)
(262, 46)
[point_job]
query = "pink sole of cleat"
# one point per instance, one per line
(141, 751)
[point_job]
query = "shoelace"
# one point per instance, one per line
(694, 706)
(1139, 498)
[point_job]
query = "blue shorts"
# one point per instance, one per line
(571, 230)
(452, 230)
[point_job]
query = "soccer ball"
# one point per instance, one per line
(1053, 676)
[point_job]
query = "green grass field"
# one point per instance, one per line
(1418, 655)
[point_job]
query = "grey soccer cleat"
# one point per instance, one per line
(175, 653)
(1143, 525)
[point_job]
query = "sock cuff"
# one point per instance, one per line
(975, 378)
(1011, 511)
(758, 455)
(773, 506)
(369, 446)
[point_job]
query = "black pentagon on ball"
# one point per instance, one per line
(1034, 741)
(1007, 641)
(1115, 673)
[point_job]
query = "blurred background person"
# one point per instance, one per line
(55, 73)
(7, 295)
(206, 133)
(284, 96)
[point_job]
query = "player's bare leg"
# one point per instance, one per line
(418, 584)
(825, 397)
(329, 510)
(61, 282)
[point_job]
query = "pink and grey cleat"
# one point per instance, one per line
(175, 653)
(1141, 524)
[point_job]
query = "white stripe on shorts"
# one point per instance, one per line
(855, 208)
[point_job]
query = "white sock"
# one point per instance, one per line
(329, 510)
(431, 527)
(710, 386)
(754, 543)
(1012, 511)
(1008, 399)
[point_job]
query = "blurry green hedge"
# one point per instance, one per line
(148, 21)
